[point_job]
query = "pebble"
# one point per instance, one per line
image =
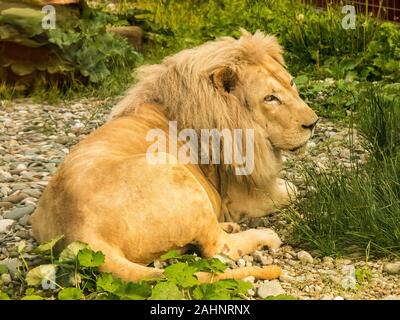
(250, 279)
(18, 213)
(305, 257)
(266, 260)
(24, 220)
(16, 197)
(6, 205)
(241, 263)
(5, 224)
(270, 288)
(392, 267)
(328, 262)
(6, 278)
(12, 264)
(285, 277)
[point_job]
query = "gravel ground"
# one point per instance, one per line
(35, 138)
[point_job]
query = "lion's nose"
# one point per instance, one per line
(310, 126)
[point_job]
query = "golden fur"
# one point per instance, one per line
(106, 194)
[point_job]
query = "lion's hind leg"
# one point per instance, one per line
(117, 264)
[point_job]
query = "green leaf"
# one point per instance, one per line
(70, 294)
(281, 297)
(166, 291)
(70, 253)
(210, 292)
(32, 297)
(29, 291)
(213, 265)
(3, 269)
(108, 283)
(21, 246)
(4, 296)
(173, 254)
(301, 81)
(182, 274)
(134, 291)
(47, 246)
(45, 272)
(89, 258)
(27, 19)
(221, 290)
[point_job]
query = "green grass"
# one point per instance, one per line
(352, 210)
(315, 43)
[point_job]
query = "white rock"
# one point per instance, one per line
(250, 279)
(392, 267)
(270, 288)
(285, 277)
(311, 144)
(21, 167)
(241, 263)
(251, 292)
(338, 298)
(327, 261)
(266, 260)
(305, 257)
(77, 127)
(5, 224)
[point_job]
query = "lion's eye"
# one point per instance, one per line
(292, 82)
(272, 98)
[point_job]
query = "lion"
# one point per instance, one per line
(107, 194)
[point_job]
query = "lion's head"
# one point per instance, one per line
(232, 84)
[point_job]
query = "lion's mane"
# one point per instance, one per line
(181, 85)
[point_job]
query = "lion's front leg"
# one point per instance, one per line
(241, 203)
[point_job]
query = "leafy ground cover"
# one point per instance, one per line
(73, 274)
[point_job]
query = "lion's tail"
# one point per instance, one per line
(265, 273)
(130, 271)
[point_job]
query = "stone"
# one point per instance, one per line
(5, 224)
(16, 197)
(6, 205)
(305, 257)
(12, 264)
(285, 277)
(18, 213)
(266, 260)
(270, 288)
(392, 267)
(241, 263)
(250, 279)
(24, 220)
(6, 278)
(21, 167)
(32, 192)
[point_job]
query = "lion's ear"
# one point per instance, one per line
(224, 79)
